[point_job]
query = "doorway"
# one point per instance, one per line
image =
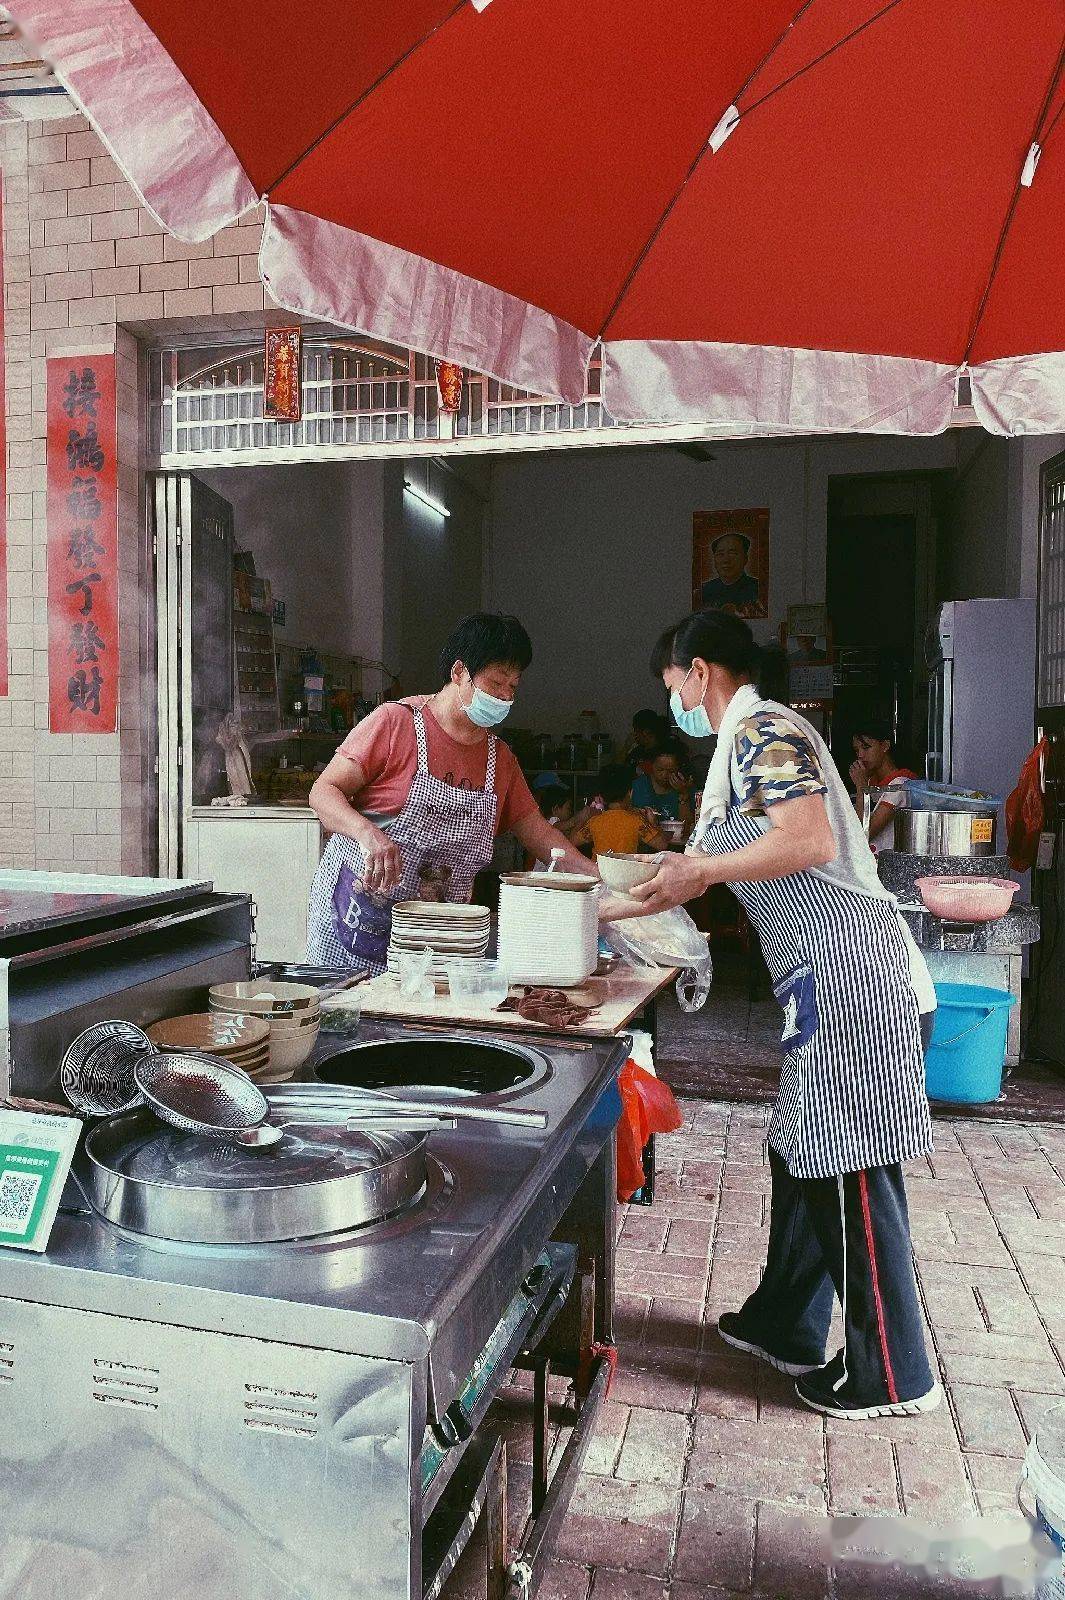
(193, 542)
(237, 704)
(881, 590)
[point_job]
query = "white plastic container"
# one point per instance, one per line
(548, 935)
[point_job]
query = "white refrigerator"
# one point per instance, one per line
(981, 656)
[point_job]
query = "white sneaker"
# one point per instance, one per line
(832, 1404)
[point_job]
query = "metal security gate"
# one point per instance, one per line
(192, 542)
(1046, 993)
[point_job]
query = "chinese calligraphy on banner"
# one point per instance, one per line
(282, 374)
(3, 466)
(82, 545)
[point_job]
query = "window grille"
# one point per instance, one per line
(209, 401)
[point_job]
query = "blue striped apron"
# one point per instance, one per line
(852, 1087)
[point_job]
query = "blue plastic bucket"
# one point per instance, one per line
(965, 1058)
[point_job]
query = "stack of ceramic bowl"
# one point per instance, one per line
(291, 1010)
(447, 929)
(242, 1041)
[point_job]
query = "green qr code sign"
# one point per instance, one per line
(26, 1177)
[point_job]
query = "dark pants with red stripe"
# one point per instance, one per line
(847, 1238)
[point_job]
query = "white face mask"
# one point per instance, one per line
(487, 710)
(695, 723)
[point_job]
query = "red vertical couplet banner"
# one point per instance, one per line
(3, 462)
(83, 657)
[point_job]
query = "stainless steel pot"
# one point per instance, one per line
(945, 833)
(144, 1176)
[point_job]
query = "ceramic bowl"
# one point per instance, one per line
(242, 1008)
(262, 998)
(221, 1034)
(288, 1053)
(623, 873)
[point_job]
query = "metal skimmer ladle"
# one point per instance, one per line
(203, 1095)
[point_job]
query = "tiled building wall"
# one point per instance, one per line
(87, 268)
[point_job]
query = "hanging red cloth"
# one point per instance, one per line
(1026, 812)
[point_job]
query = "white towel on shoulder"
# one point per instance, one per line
(717, 791)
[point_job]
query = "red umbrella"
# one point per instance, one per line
(774, 215)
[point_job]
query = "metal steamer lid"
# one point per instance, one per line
(171, 1185)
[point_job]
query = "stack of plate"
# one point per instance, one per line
(242, 1041)
(291, 1011)
(446, 929)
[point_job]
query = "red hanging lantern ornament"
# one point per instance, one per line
(449, 385)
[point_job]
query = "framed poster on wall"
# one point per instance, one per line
(730, 561)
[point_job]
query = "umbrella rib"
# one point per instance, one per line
(684, 182)
(705, 145)
(816, 62)
(1000, 246)
(381, 78)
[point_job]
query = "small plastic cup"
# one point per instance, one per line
(484, 985)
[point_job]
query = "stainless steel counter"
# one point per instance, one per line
(227, 1421)
(43, 902)
(427, 1287)
(1004, 936)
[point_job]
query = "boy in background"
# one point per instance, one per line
(620, 827)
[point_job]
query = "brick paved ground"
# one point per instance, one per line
(708, 1479)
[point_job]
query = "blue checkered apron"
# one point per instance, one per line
(852, 1089)
(445, 837)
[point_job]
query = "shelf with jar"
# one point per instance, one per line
(576, 759)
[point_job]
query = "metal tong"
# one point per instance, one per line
(375, 1104)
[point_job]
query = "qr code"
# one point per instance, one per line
(18, 1192)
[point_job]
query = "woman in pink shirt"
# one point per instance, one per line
(416, 795)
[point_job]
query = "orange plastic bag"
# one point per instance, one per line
(1026, 813)
(647, 1106)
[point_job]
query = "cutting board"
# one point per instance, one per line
(619, 997)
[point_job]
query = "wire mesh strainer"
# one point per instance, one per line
(200, 1094)
(97, 1072)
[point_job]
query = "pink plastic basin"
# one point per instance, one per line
(967, 899)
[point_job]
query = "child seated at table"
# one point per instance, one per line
(619, 827)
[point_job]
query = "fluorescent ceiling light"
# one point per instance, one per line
(427, 500)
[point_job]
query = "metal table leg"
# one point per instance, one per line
(586, 1337)
(541, 1434)
(527, 1568)
(495, 1511)
(479, 1485)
